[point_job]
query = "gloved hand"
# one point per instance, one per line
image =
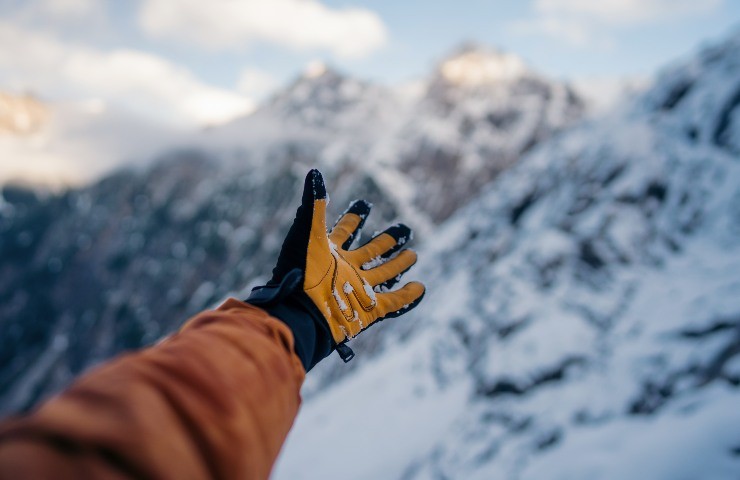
(324, 291)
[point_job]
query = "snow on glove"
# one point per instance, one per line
(317, 272)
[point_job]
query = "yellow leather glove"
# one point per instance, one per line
(317, 274)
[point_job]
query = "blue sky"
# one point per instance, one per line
(207, 61)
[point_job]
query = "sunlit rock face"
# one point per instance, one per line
(21, 115)
(473, 66)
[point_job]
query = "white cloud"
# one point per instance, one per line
(297, 24)
(591, 23)
(136, 80)
(154, 83)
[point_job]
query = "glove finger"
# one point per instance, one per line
(382, 245)
(350, 223)
(387, 273)
(293, 251)
(316, 197)
(398, 302)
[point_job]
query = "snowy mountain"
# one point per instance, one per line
(92, 271)
(481, 111)
(583, 314)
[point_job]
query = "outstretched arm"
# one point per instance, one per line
(214, 401)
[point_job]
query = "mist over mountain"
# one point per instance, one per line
(479, 111)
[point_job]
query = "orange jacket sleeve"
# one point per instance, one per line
(214, 401)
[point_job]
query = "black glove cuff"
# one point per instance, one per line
(288, 303)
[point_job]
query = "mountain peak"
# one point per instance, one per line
(472, 65)
(316, 69)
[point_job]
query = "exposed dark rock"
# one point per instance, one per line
(510, 387)
(519, 209)
(676, 94)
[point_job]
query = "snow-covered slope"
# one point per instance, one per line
(583, 315)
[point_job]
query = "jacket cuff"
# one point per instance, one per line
(312, 337)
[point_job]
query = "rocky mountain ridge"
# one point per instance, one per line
(96, 270)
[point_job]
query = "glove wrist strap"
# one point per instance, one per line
(272, 294)
(287, 302)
